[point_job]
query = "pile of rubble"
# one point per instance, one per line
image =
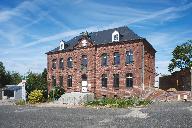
(169, 95)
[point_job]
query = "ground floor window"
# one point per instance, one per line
(69, 81)
(129, 80)
(53, 81)
(104, 80)
(116, 80)
(61, 81)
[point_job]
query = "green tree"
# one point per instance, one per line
(16, 78)
(5, 77)
(182, 57)
(37, 81)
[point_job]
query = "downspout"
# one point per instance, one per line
(95, 72)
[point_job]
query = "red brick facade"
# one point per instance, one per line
(94, 69)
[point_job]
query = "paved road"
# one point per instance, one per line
(172, 115)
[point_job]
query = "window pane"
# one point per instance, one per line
(69, 81)
(104, 59)
(116, 58)
(116, 80)
(61, 64)
(54, 62)
(129, 80)
(70, 62)
(61, 81)
(104, 80)
(84, 61)
(53, 81)
(129, 57)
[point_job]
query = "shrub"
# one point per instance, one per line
(120, 103)
(20, 102)
(56, 92)
(36, 96)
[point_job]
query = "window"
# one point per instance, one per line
(62, 45)
(116, 80)
(129, 57)
(70, 62)
(129, 80)
(104, 80)
(69, 81)
(53, 81)
(84, 61)
(54, 63)
(61, 63)
(115, 36)
(61, 81)
(104, 59)
(116, 58)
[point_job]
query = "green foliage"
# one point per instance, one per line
(37, 81)
(182, 57)
(7, 77)
(20, 102)
(119, 103)
(36, 96)
(56, 92)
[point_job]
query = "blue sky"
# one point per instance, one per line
(29, 28)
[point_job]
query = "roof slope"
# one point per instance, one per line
(103, 37)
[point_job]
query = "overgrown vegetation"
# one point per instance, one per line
(119, 103)
(20, 102)
(56, 93)
(36, 96)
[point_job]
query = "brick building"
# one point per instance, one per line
(110, 63)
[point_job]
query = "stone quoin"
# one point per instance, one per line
(109, 63)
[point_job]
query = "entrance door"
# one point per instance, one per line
(84, 83)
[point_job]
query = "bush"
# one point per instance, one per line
(20, 102)
(56, 93)
(120, 103)
(36, 96)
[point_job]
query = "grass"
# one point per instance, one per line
(119, 103)
(20, 102)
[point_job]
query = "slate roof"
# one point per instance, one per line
(103, 37)
(12, 88)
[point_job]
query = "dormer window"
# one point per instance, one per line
(115, 36)
(84, 43)
(62, 45)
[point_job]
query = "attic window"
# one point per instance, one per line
(62, 44)
(115, 36)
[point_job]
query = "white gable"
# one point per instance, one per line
(62, 45)
(115, 36)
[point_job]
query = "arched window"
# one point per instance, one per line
(54, 63)
(70, 62)
(84, 61)
(116, 58)
(61, 81)
(62, 45)
(69, 81)
(104, 59)
(61, 64)
(115, 36)
(129, 57)
(104, 80)
(53, 81)
(129, 80)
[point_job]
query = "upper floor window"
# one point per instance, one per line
(129, 80)
(70, 62)
(54, 63)
(129, 57)
(61, 63)
(69, 81)
(84, 61)
(115, 36)
(116, 58)
(104, 80)
(116, 80)
(104, 59)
